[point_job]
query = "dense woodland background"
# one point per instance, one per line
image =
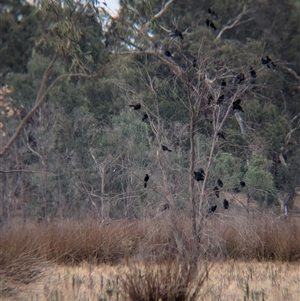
(70, 70)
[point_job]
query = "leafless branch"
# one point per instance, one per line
(292, 72)
(160, 13)
(41, 97)
(235, 21)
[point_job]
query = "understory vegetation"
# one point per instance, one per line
(146, 249)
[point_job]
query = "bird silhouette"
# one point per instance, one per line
(136, 107)
(211, 24)
(225, 204)
(267, 61)
(217, 191)
(178, 34)
(165, 207)
(165, 148)
(240, 78)
(242, 183)
(146, 179)
(199, 175)
(212, 12)
(236, 105)
(194, 62)
(145, 117)
(168, 53)
(220, 183)
(223, 83)
(221, 135)
(252, 73)
(211, 209)
(220, 99)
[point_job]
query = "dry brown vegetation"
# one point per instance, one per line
(27, 252)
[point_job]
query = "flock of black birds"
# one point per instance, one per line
(239, 79)
(200, 175)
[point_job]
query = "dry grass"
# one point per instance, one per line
(227, 281)
(26, 250)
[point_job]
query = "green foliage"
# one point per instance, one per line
(229, 169)
(260, 185)
(83, 118)
(271, 126)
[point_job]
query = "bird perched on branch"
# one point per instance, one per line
(145, 117)
(165, 148)
(252, 73)
(267, 61)
(210, 23)
(223, 83)
(178, 34)
(236, 105)
(225, 204)
(220, 183)
(212, 12)
(146, 179)
(136, 107)
(168, 54)
(220, 99)
(199, 175)
(194, 62)
(221, 135)
(242, 183)
(211, 209)
(217, 191)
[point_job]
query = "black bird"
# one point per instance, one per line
(210, 23)
(178, 34)
(225, 204)
(212, 209)
(242, 183)
(236, 105)
(194, 62)
(267, 62)
(212, 12)
(252, 73)
(221, 135)
(146, 179)
(223, 83)
(136, 107)
(217, 192)
(199, 175)
(168, 53)
(165, 148)
(240, 78)
(165, 207)
(220, 99)
(220, 183)
(145, 117)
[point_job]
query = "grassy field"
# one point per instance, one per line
(242, 258)
(229, 280)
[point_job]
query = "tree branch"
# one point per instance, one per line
(292, 72)
(160, 13)
(236, 21)
(41, 97)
